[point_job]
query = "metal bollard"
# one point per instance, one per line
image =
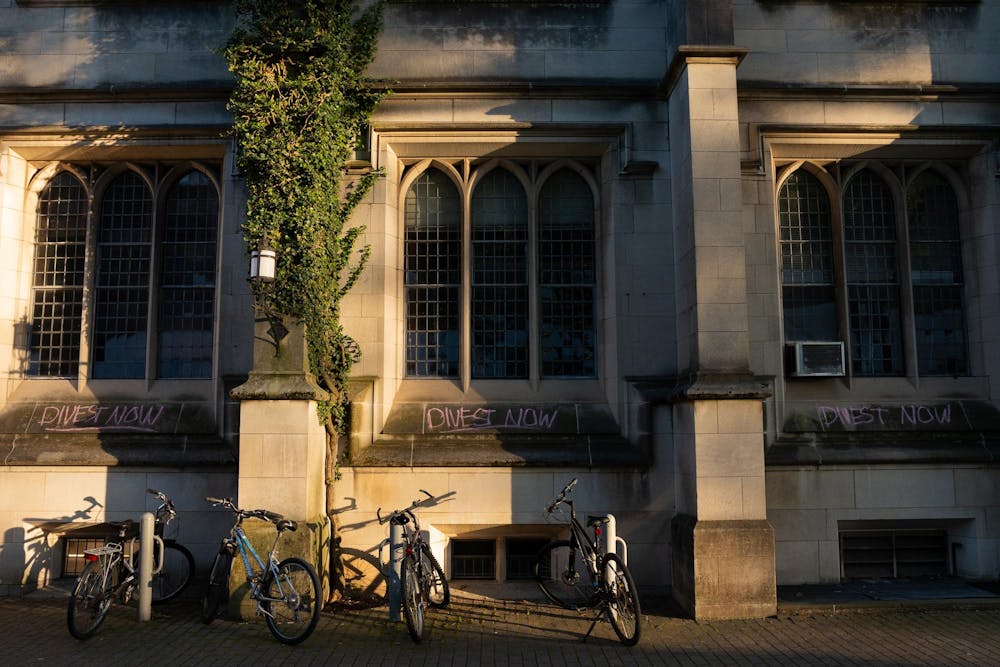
(395, 571)
(146, 530)
(613, 543)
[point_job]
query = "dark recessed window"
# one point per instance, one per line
(521, 555)
(473, 559)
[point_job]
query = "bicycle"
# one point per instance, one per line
(176, 571)
(107, 576)
(575, 574)
(422, 581)
(287, 593)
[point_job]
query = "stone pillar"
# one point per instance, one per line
(282, 449)
(723, 546)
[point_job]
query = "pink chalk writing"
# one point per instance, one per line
(100, 417)
(460, 418)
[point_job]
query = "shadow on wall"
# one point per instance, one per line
(37, 552)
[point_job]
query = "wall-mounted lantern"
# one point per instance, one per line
(263, 263)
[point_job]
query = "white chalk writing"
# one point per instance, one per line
(837, 417)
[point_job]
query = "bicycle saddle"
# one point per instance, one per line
(124, 528)
(596, 520)
(286, 524)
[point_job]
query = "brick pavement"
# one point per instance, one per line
(476, 631)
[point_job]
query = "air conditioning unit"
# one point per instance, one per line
(814, 359)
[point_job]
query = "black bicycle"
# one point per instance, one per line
(173, 568)
(422, 582)
(577, 574)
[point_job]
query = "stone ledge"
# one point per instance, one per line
(702, 387)
(504, 451)
(115, 450)
(884, 447)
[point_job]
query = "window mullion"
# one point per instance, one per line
(89, 291)
(906, 292)
(465, 302)
(152, 313)
(534, 329)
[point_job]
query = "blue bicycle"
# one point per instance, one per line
(287, 593)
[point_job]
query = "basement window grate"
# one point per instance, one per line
(893, 554)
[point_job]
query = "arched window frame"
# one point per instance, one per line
(96, 178)
(898, 178)
(466, 174)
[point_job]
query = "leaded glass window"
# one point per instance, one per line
(807, 278)
(124, 253)
(186, 318)
(433, 245)
(872, 277)
(57, 297)
(937, 276)
(499, 277)
(567, 276)
(852, 276)
(127, 228)
(500, 273)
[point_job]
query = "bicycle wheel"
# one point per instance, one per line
(413, 598)
(435, 585)
(218, 587)
(174, 576)
(562, 574)
(291, 601)
(623, 600)
(88, 606)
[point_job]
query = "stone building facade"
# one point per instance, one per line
(732, 264)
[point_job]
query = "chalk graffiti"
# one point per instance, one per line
(460, 418)
(837, 417)
(98, 417)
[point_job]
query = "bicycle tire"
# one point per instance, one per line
(436, 588)
(292, 601)
(217, 589)
(572, 587)
(412, 598)
(624, 611)
(174, 576)
(89, 603)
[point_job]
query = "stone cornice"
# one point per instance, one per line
(686, 54)
(116, 94)
(702, 386)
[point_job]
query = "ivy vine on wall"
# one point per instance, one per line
(300, 102)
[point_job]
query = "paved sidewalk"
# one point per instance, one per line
(483, 631)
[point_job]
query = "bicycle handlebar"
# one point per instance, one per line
(409, 510)
(228, 503)
(561, 498)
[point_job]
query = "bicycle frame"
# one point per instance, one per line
(605, 585)
(255, 566)
(579, 539)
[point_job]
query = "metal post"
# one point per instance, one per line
(610, 535)
(395, 560)
(146, 530)
(615, 544)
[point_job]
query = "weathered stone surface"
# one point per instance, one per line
(723, 569)
(281, 365)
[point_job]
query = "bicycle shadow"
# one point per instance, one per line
(365, 571)
(41, 545)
